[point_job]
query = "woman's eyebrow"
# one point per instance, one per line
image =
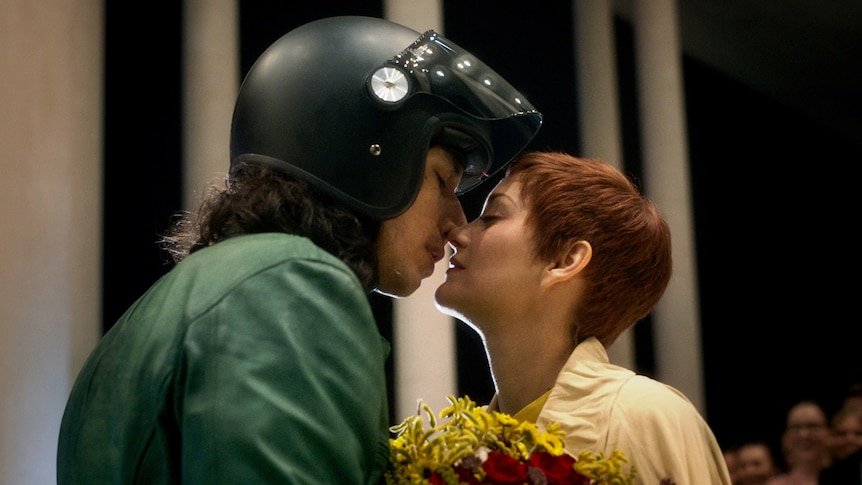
(497, 198)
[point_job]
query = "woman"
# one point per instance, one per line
(804, 445)
(565, 256)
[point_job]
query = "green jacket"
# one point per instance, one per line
(254, 361)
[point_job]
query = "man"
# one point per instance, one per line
(257, 359)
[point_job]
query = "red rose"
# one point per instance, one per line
(558, 469)
(466, 476)
(436, 479)
(502, 469)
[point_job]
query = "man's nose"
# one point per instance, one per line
(453, 217)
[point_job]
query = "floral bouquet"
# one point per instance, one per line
(475, 446)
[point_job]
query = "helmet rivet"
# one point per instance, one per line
(375, 150)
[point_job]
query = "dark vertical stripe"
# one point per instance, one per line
(142, 146)
(262, 22)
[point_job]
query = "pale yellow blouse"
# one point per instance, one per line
(603, 407)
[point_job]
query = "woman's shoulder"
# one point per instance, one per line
(648, 387)
(644, 396)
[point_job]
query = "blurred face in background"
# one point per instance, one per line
(846, 436)
(731, 459)
(755, 464)
(805, 441)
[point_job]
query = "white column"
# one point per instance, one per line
(50, 205)
(598, 108)
(419, 15)
(211, 81)
(423, 338)
(666, 177)
(598, 101)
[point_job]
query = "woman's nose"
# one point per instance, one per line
(457, 236)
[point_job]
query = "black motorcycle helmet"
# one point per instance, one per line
(351, 104)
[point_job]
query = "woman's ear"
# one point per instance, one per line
(569, 263)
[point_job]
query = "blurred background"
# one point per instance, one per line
(95, 108)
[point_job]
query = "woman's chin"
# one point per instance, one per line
(443, 301)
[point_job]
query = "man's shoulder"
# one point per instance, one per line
(261, 250)
(242, 259)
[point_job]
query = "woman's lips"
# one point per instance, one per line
(455, 264)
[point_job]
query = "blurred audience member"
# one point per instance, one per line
(845, 445)
(845, 432)
(755, 463)
(731, 459)
(804, 445)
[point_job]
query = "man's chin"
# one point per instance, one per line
(385, 293)
(401, 290)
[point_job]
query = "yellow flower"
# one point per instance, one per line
(463, 442)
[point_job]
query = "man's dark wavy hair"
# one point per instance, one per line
(258, 199)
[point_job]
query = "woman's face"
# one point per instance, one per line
(493, 270)
(755, 464)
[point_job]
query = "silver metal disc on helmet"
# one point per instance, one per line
(389, 84)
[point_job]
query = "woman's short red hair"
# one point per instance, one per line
(573, 199)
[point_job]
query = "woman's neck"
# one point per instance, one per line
(525, 364)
